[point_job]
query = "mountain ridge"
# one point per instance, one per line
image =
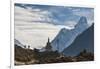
(84, 41)
(65, 37)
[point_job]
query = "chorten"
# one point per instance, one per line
(48, 46)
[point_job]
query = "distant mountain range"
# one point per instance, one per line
(84, 41)
(65, 37)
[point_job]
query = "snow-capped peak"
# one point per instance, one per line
(65, 37)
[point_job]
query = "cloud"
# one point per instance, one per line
(58, 14)
(32, 26)
(34, 23)
(76, 10)
(89, 13)
(31, 15)
(70, 23)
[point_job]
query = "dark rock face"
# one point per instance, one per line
(83, 41)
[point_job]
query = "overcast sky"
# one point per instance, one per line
(35, 23)
(59, 14)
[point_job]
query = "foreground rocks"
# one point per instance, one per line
(28, 56)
